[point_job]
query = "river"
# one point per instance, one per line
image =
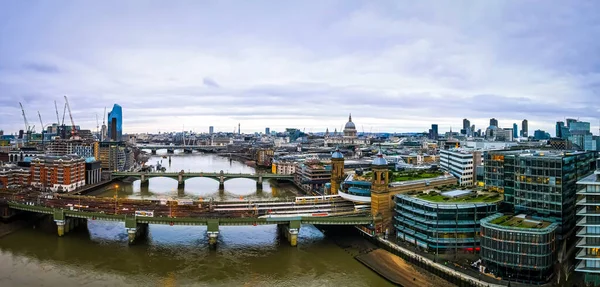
(98, 255)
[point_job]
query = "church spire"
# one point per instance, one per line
(350, 117)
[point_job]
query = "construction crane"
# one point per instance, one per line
(24, 118)
(57, 118)
(64, 112)
(97, 126)
(103, 125)
(73, 129)
(42, 127)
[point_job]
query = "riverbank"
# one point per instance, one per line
(398, 271)
(387, 265)
(7, 228)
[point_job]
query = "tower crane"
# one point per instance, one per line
(57, 118)
(64, 112)
(42, 127)
(97, 126)
(24, 118)
(73, 129)
(103, 125)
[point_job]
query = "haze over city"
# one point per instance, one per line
(397, 66)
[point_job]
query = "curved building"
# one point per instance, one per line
(115, 123)
(444, 222)
(517, 247)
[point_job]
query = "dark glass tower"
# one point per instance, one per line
(115, 123)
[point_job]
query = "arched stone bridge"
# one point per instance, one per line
(219, 176)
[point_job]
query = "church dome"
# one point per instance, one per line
(337, 154)
(349, 125)
(379, 159)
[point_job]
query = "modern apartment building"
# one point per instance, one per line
(443, 222)
(539, 183)
(589, 232)
(461, 163)
(518, 247)
(58, 173)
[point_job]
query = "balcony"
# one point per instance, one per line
(582, 243)
(584, 222)
(584, 212)
(586, 202)
(584, 233)
(581, 255)
(582, 268)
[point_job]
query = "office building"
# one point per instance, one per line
(525, 129)
(58, 173)
(461, 163)
(515, 131)
(115, 124)
(518, 247)
(493, 122)
(466, 127)
(211, 130)
(541, 135)
(114, 156)
(311, 176)
(93, 172)
(283, 167)
(433, 132)
(539, 183)
(442, 222)
(267, 131)
(588, 245)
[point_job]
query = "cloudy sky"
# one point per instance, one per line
(395, 65)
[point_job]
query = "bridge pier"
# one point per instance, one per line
(135, 231)
(212, 231)
(188, 150)
(290, 231)
(153, 151)
(180, 182)
(170, 150)
(259, 183)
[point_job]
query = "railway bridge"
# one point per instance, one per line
(219, 176)
(186, 148)
(69, 211)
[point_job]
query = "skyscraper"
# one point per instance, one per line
(493, 122)
(211, 130)
(524, 129)
(115, 123)
(515, 131)
(267, 131)
(239, 129)
(466, 124)
(434, 131)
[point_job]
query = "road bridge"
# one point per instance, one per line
(185, 148)
(68, 211)
(219, 176)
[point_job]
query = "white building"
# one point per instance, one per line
(284, 167)
(462, 163)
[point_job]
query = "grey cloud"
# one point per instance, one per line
(42, 68)
(210, 83)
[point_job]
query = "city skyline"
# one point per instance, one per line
(396, 66)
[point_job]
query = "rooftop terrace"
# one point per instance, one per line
(472, 198)
(520, 221)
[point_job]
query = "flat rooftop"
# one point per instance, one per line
(469, 197)
(456, 193)
(520, 221)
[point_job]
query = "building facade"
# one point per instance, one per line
(115, 124)
(520, 248)
(440, 226)
(283, 167)
(311, 176)
(588, 244)
(14, 176)
(58, 173)
(461, 163)
(540, 183)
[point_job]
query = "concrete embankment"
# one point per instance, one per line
(19, 222)
(398, 271)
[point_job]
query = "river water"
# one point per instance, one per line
(98, 254)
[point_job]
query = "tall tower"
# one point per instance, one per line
(239, 129)
(380, 193)
(337, 171)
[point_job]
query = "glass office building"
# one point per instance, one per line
(588, 244)
(519, 248)
(539, 183)
(115, 124)
(451, 225)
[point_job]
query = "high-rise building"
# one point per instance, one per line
(589, 232)
(541, 135)
(466, 124)
(494, 122)
(239, 128)
(434, 132)
(267, 131)
(525, 129)
(211, 130)
(539, 183)
(461, 163)
(515, 131)
(570, 121)
(115, 123)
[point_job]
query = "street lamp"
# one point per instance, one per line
(116, 198)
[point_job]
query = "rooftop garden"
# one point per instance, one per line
(519, 222)
(434, 196)
(397, 176)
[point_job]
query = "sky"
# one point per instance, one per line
(397, 66)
